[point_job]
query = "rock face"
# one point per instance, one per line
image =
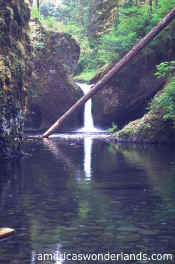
(15, 73)
(125, 97)
(151, 128)
(55, 57)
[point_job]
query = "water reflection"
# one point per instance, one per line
(87, 157)
(59, 155)
(88, 118)
(127, 204)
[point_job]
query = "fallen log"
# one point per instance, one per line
(117, 67)
(6, 231)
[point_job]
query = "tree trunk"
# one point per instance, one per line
(156, 4)
(151, 5)
(118, 66)
(38, 4)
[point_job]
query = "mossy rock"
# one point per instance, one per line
(14, 74)
(55, 56)
(14, 30)
(151, 128)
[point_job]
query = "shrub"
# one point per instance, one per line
(166, 100)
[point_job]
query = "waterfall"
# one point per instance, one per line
(88, 127)
(88, 118)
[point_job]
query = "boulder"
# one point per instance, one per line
(53, 91)
(151, 128)
(125, 97)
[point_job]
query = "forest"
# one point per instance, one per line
(87, 131)
(105, 32)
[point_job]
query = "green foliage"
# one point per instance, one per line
(135, 23)
(169, 103)
(166, 100)
(112, 149)
(72, 17)
(86, 76)
(48, 9)
(165, 69)
(36, 14)
(113, 128)
(131, 28)
(130, 25)
(50, 23)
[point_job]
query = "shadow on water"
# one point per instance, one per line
(80, 195)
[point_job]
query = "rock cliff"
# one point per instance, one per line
(125, 97)
(15, 73)
(55, 57)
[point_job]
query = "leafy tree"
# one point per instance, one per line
(166, 100)
(165, 69)
(135, 21)
(49, 9)
(129, 21)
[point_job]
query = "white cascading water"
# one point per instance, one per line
(88, 118)
(87, 157)
(88, 128)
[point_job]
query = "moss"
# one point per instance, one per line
(4, 40)
(3, 26)
(101, 72)
(14, 30)
(11, 12)
(151, 128)
(86, 76)
(14, 73)
(20, 49)
(6, 14)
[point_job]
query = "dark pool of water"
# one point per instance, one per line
(111, 199)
